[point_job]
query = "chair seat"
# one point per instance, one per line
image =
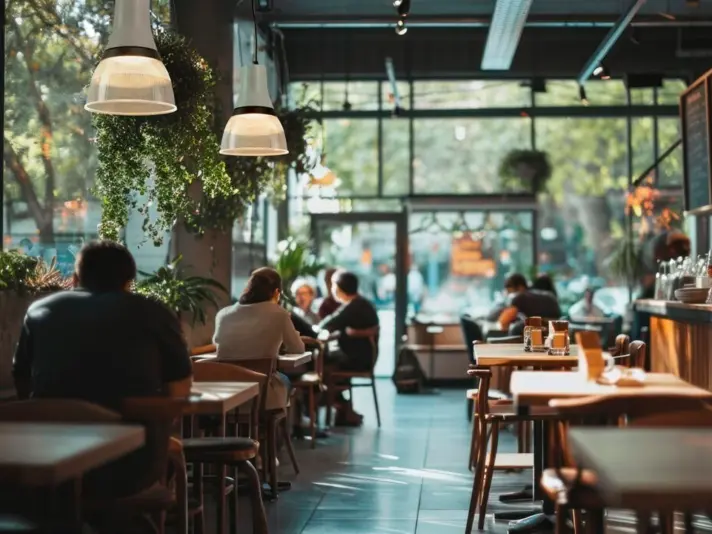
(494, 394)
(307, 379)
(352, 374)
(220, 449)
(512, 460)
(558, 486)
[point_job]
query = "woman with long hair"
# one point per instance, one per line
(257, 327)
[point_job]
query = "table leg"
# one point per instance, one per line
(221, 473)
(542, 521)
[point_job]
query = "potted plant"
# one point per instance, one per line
(295, 260)
(187, 296)
(23, 279)
(525, 170)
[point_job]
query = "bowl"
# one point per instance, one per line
(692, 295)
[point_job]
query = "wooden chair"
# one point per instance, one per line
(573, 488)
(236, 452)
(273, 422)
(150, 463)
(345, 377)
(486, 424)
(312, 383)
(621, 345)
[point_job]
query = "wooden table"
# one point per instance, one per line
(284, 361)
(47, 454)
(648, 469)
(513, 355)
(537, 388)
(215, 398)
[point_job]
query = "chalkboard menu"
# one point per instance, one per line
(695, 113)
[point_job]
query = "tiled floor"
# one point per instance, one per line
(408, 477)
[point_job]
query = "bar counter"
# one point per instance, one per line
(680, 339)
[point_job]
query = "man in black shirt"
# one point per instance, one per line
(101, 342)
(355, 353)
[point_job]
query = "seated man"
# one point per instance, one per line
(101, 342)
(355, 353)
(523, 302)
(585, 307)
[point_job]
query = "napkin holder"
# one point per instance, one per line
(530, 323)
(591, 363)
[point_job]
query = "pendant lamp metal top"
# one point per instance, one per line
(131, 79)
(254, 128)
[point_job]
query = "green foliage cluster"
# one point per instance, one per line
(189, 295)
(525, 170)
(163, 157)
(28, 275)
(295, 260)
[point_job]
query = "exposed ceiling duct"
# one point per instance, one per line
(504, 32)
(611, 38)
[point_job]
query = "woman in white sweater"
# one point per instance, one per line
(257, 327)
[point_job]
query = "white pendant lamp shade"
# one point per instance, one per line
(131, 79)
(254, 128)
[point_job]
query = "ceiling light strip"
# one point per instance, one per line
(504, 33)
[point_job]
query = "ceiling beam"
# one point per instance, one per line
(610, 40)
(504, 33)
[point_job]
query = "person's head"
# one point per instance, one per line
(678, 244)
(515, 283)
(544, 282)
(588, 295)
(344, 285)
(103, 266)
(328, 277)
(303, 292)
(264, 285)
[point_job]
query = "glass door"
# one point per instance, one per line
(374, 247)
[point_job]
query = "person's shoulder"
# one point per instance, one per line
(56, 299)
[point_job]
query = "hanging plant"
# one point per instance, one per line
(525, 170)
(161, 157)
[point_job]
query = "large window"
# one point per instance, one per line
(471, 94)
(50, 159)
(462, 156)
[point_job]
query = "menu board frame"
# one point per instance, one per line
(705, 80)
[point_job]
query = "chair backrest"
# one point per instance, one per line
(621, 345)
(471, 332)
(367, 333)
(638, 353)
(484, 374)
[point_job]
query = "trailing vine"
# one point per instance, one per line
(161, 157)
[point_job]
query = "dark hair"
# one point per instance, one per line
(544, 282)
(261, 286)
(346, 282)
(104, 266)
(515, 280)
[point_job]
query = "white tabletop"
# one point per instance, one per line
(220, 397)
(46, 454)
(284, 361)
(530, 388)
(512, 354)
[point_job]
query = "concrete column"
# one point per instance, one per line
(208, 24)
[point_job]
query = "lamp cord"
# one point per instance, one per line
(254, 23)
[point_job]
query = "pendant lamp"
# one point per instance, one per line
(131, 79)
(254, 128)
